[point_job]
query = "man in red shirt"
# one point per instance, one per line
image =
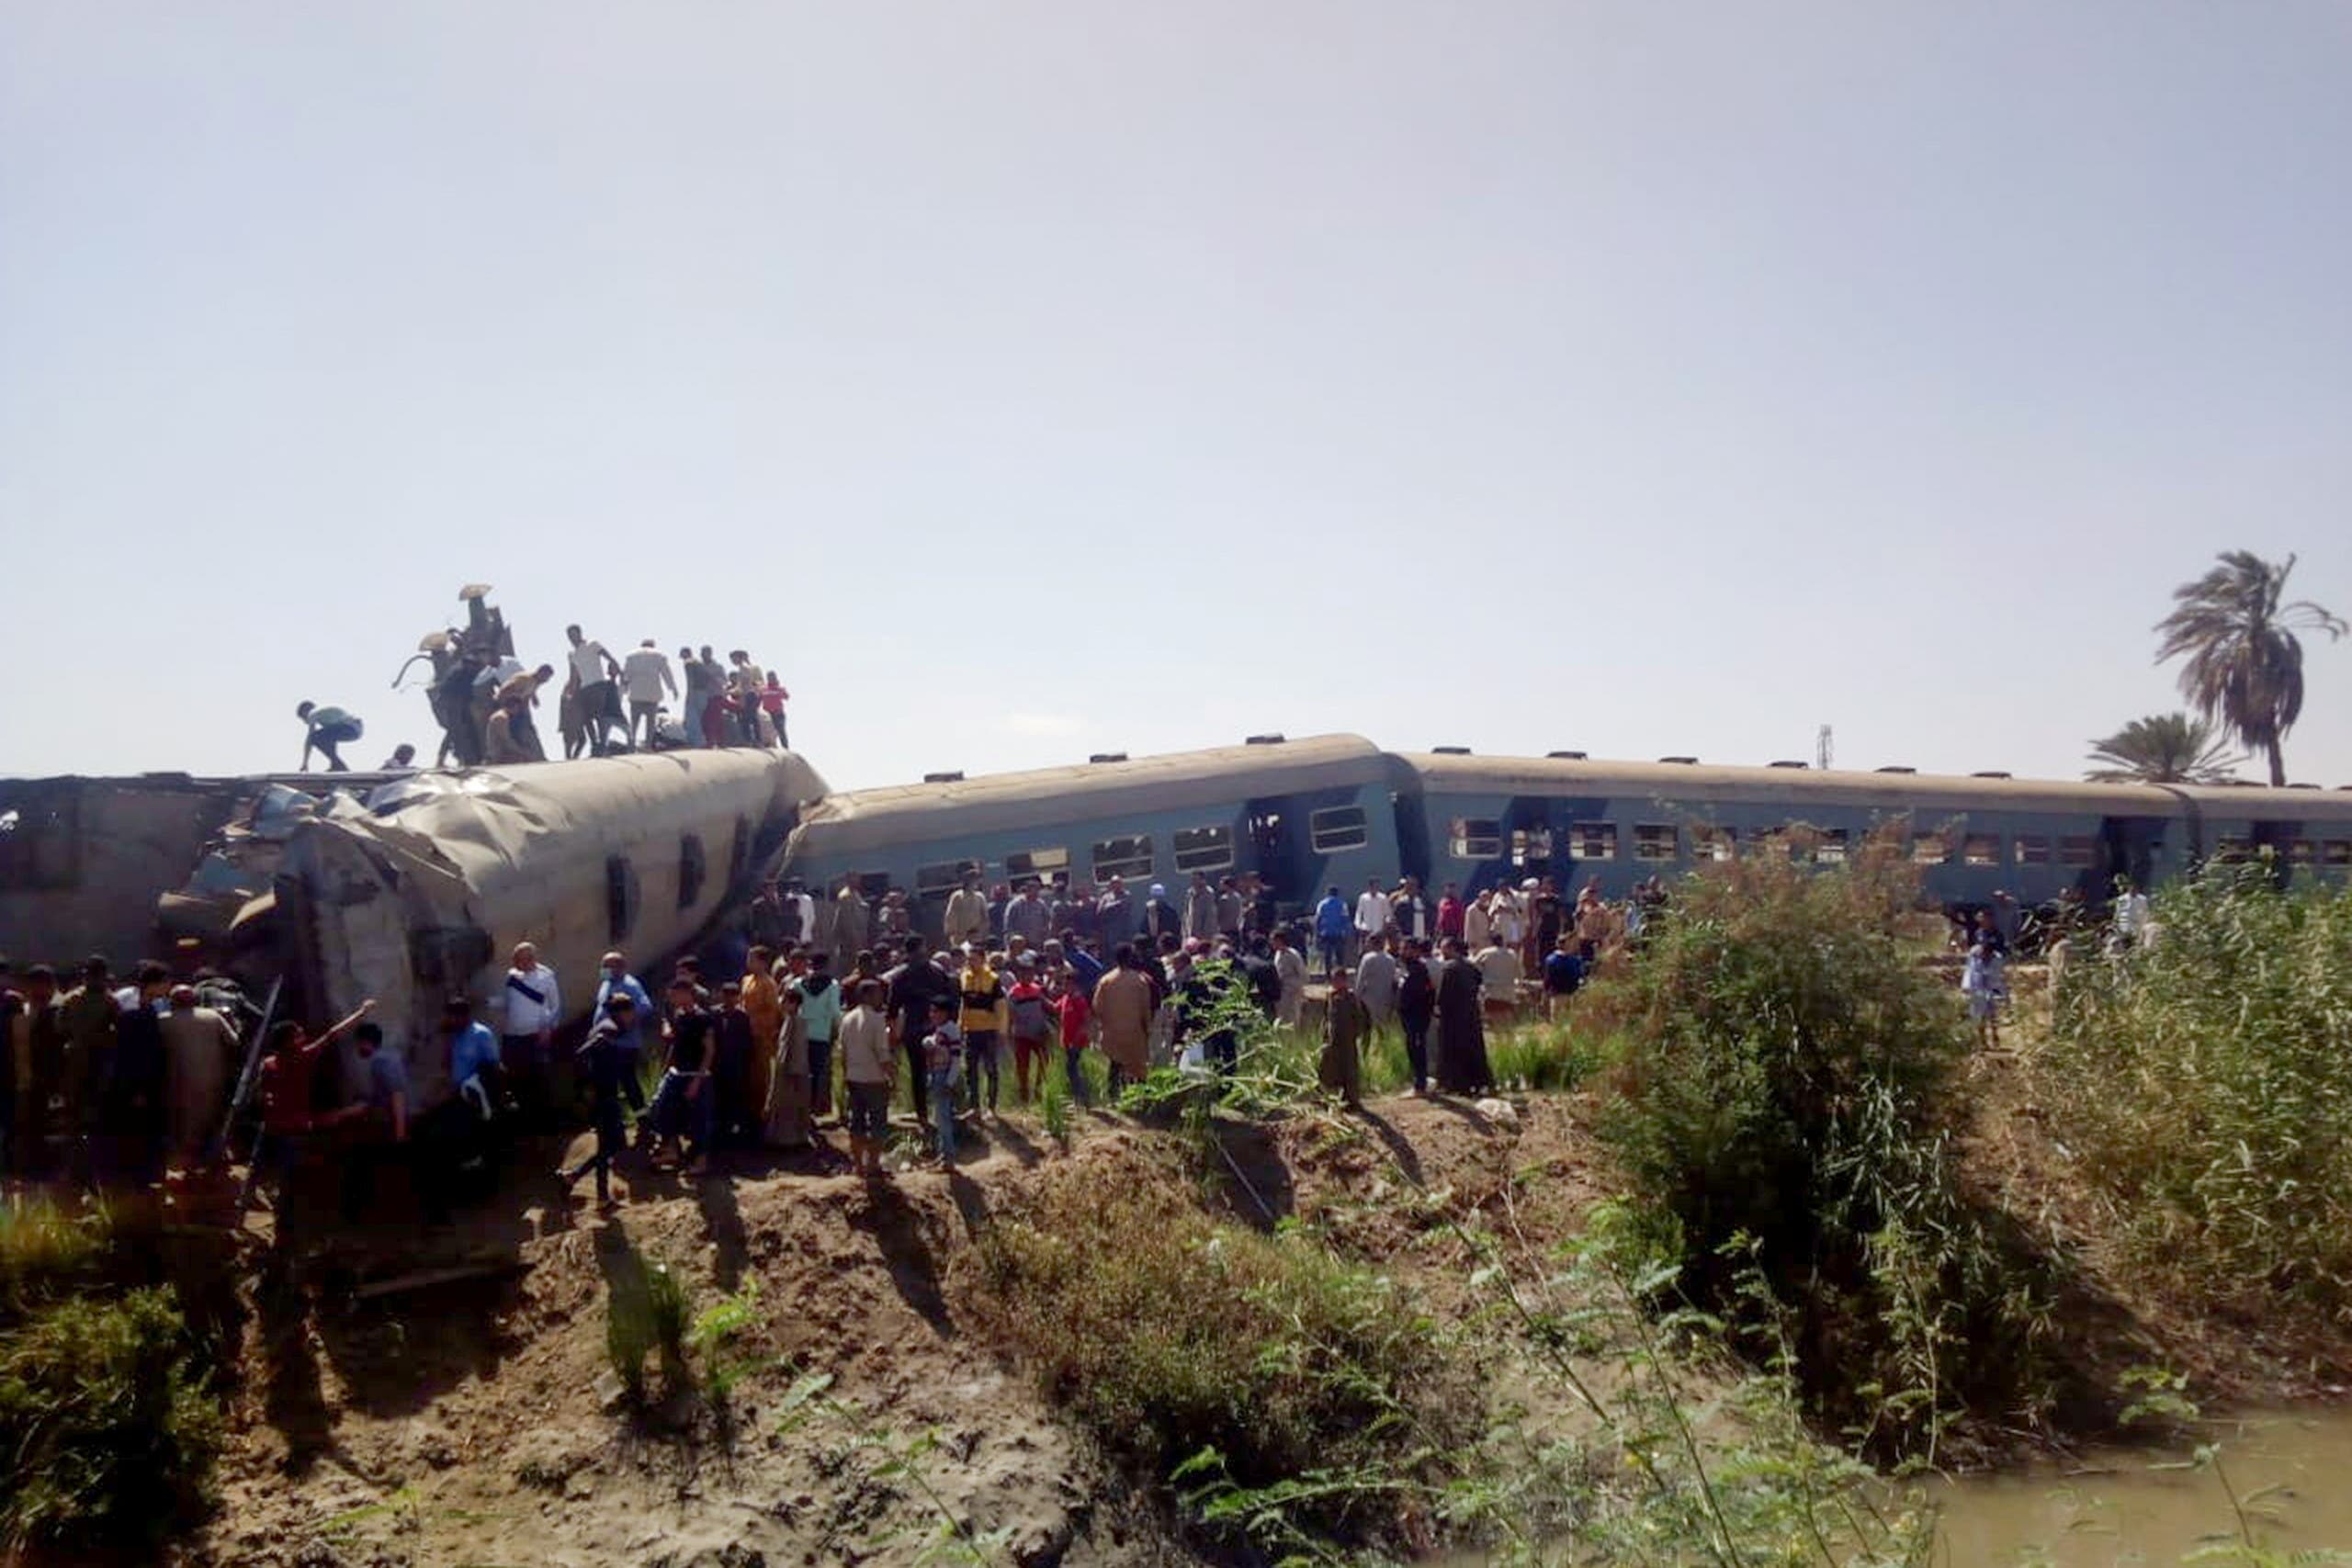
(1075, 1015)
(285, 1085)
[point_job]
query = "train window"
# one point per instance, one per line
(1829, 846)
(2031, 848)
(1126, 856)
(1203, 849)
(1656, 840)
(944, 875)
(1476, 838)
(2232, 851)
(620, 898)
(2299, 852)
(1711, 842)
(1981, 849)
(2077, 849)
(1930, 848)
(691, 867)
(871, 885)
(1042, 864)
(1337, 828)
(2337, 851)
(1593, 841)
(1531, 846)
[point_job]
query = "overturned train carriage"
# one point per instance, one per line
(425, 895)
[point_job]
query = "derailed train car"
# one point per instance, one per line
(425, 894)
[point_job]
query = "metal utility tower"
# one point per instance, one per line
(1825, 749)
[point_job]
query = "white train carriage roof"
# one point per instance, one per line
(1055, 797)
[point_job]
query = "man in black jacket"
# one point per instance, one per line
(913, 985)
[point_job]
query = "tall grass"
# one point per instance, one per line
(108, 1428)
(2204, 1083)
(1782, 1105)
(1176, 1341)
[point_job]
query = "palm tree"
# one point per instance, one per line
(2246, 664)
(2164, 747)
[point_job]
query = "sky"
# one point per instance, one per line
(1025, 380)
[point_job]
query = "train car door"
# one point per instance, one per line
(2128, 847)
(1279, 849)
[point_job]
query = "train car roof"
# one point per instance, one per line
(1055, 798)
(1684, 782)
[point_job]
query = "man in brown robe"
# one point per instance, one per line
(1123, 1010)
(1347, 1024)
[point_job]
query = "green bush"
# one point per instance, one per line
(1779, 1099)
(108, 1432)
(2204, 1083)
(1166, 1336)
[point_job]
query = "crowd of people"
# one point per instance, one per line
(489, 706)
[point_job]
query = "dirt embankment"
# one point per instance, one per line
(476, 1421)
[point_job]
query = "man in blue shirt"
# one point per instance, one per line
(629, 1040)
(474, 1053)
(1334, 922)
(1563, 976)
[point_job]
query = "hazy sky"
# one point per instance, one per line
(1027, 379)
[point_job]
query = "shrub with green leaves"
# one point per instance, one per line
(108, 1432)
(2204, 1082)
(1168, 1337)
(1781, 1099)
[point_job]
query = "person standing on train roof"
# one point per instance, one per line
(772, 696)
(1200, 909)
(599, 674)
(966, 919)
(1331, 924)
(1410, 912)
(1371, 911)
(646, 678)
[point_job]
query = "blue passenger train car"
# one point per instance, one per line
(1301, 814)
(1485, 820)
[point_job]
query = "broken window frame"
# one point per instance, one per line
(1331, 828)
